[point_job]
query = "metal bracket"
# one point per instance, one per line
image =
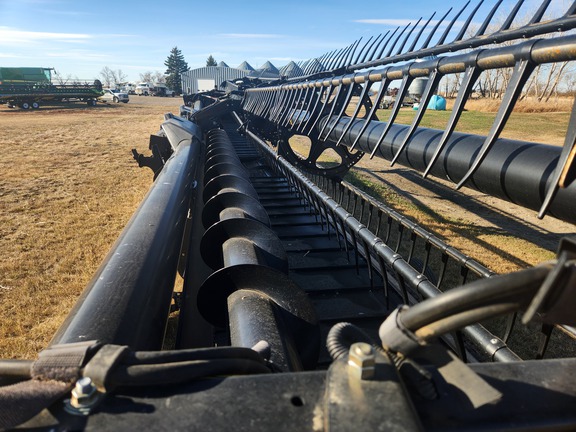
(379, 403)
(161, 151)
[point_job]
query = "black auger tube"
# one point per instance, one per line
(128, 300)
(516, 171)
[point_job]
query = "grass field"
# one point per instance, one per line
(548, 128)
(68, 186)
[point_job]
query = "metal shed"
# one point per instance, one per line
(209, 77)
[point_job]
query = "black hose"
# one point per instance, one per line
(172, 373)
(462, 319)
(156, 357)
(342, 336)
(515, 287)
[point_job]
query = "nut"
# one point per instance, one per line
(84, 393)
(362, 361)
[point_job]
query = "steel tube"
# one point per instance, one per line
(516, 171)
(254, 317)
(128, 300)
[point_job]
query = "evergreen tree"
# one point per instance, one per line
(210, 61)
(176, 65)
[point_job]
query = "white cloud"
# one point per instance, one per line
(10, 35)
(77, 55)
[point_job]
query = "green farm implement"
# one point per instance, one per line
(28, 87)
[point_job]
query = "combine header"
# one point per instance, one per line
(28, 87)
(307, 304)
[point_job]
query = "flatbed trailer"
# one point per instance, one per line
(27, 87)
(28, 96)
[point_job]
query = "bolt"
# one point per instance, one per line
(84, 397)
(361, 361)
(83, 390)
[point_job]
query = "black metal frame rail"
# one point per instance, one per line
(434, 257)
(380, 218)
(128, 300)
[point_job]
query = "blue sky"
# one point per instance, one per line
(79, 38)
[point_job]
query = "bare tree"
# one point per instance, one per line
(107, 75)
(449, 85)
(111, 77)
(545, 81)
(159, 78)
(118, 76)
(147, 76)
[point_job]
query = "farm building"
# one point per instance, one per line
(211, 77)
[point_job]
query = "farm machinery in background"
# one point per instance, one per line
(29, 87)
(306, 303)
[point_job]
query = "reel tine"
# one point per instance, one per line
(564, 172)
(488, 18)
(467, 23)
(571, 10)
(520, 75)
(387, 42)
(512, 15)
(540, 12)
(368, 50)
(373, 55)
(433, 81)
(396, 40)
(433, 32)
(384, 83)
(449, 27)
(365, 90)
(362, 50)
(470, 77)
(406, 81)
(342, 110)
(408, 37)
(413, 46)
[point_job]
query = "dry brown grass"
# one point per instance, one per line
(527, 105)
(68, 185)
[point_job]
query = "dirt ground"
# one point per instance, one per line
(68, 186)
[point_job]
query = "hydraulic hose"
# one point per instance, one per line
(462, 319)
(514, 287)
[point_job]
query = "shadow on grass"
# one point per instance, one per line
(505, 224)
